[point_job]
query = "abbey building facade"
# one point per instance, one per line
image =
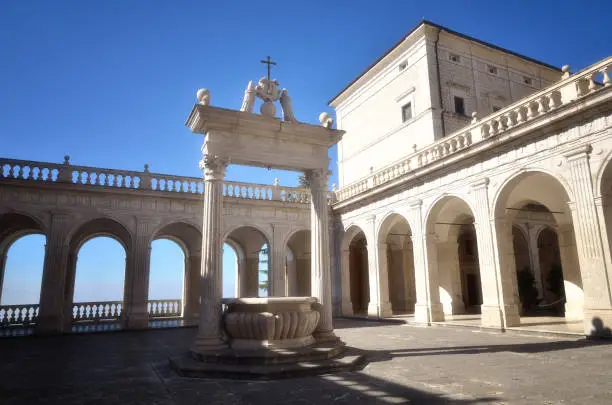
(473, 180)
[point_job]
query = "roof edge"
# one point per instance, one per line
(452, 32)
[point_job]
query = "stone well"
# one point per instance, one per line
(271, 322)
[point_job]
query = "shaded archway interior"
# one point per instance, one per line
(359, 279)
(251, 247)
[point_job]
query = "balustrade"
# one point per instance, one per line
(91, 176)
(96, 311)
(164, 308)
(18, 314)
(567, 90)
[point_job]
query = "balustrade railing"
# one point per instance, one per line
(569, 89)
(18, 314)
(96, 311)
(98, 177)
(165, 308)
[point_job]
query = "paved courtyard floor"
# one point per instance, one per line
(407, 364)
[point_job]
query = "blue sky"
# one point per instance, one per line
(111, 83)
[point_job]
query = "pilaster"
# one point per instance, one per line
(346, 303)
(428, 307)
(51, 312)
(498, 280)
(135, 314)
(595, 277)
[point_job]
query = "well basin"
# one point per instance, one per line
(271, 322)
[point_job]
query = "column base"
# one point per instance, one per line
(206, 345)
(493, 316)
(325, 336)
(346, 308)
(49, 325)
(423, 314)
(598, 322)
(380, 311)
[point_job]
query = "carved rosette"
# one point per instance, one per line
(213, 166)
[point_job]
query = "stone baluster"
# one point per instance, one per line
(542, 103)
(591, 78)
(320, 267)
(136, 288)
(530, 110)
(211, 288)
(594, 272)
(606, 78)
(51, 314)
(498, 306)
(519, 115)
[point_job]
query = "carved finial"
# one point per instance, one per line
(326, 120)
(474, 117)
(203, 96)
(276, 182)
(67, 160)
(146, 168)
(566, 71)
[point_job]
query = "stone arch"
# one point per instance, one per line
(251, 239)
(355, 272)
(13, 227)
(452, 255)
(535, 195)
(298, 263)
(186, 235)
(257, 227)
(77, 237)
(396, 265)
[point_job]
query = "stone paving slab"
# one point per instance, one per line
(407, 365)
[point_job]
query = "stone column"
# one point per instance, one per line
(211, 288)
(379, 305)
(595, 277)
(320, 267)
(136, 295)
(345, 263)
(3, 258)
(427, 308)
(498, 279)
(292, 279)
(277, 278)
(533, 233)
(191, 304)
(51, 312)
(240, 269)
(303, 276)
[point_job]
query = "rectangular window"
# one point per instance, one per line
(454, 58)
(527, 80)
(459, 105)
(403, 65)
(496, 108)
(407, 112)
(492, 69)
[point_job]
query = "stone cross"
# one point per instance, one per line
(268, 62)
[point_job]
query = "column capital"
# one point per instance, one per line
(316, 178)
(213, 166)
(480, 184)
(418, 203)
(582, 151)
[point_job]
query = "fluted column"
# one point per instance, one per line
(52, 292)
(191, 304)
(496, 265)
(428, 307)
(137, 277)
(211, 288)
(595, 277)
(320, 268)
